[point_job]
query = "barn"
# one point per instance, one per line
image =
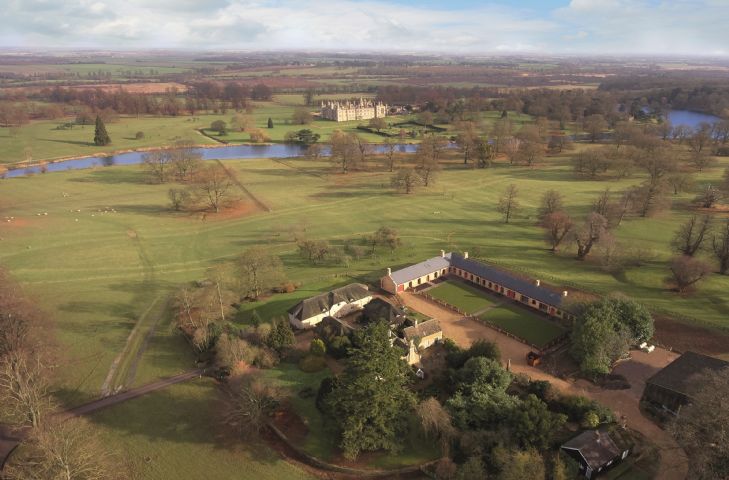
(596, 450)
(669, 389)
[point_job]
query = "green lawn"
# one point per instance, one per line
(459, 294)
(321, 441)
(523, 324)
(174, 433)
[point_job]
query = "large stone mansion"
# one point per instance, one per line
(362, 109)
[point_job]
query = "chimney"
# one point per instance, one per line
(465, 254)
(564, 293)
(389, 271)
(538, 282)
(442, 253)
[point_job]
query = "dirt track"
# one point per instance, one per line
(464, 332)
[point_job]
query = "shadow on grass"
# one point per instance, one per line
(114, 176)
(70, 142)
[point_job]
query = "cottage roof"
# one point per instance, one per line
(421, 269)
(595, 446)
(379, 309)
(314, 306)
(677, 375)
(507, 280)
(422, 329)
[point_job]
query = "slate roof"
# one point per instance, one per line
(314, 306)
(422, 329)
(677, 375)
(421, 269)
(596, 446)
(381, 309)
(507, 280)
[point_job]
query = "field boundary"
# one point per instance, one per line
(260, 203)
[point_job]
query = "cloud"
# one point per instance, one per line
(582, 26)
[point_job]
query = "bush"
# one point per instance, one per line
(317, 347)
(139, 135)
(326, 387)
(265, 358)
(307, 392)
(457, 357)
(338, 346)
(312, 363)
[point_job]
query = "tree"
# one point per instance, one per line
(508, 203)
(185, 160)
(344, 150)
(556, 226)
(281, 335)
(680, 182)
(551, 202)
(533, 425)
(709, 196)
(589, 233)
(690, 236)
(377, 123)
(703, 426)
(406, 179)
(64, 449)
(594, 125)
(240, 123)
(250, 404)
(590, 162)
(219, 126)
(178, 198)
(303, 137)
(231, 350)
(425, 118)
(390, 148)
(317, 347)
(687, 271)
(501, 131)
(521, 464)
(467, 140)
(385, 236)
(649, 198)
(701, 160)
(436, 422)
(213, 183)
(101, 137)
(302, 116)
(260, 271)
(599, 337)
(485, 153)
(157, 165)
(270, 122)
(372, 404)
(720, 247)
(472, 469)
(313, 151)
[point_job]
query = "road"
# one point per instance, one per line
(464, 331)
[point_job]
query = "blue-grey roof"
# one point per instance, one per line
(421, 269)
(507, 280)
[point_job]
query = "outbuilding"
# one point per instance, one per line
(596, 451)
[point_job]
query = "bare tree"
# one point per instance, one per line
(250, 405)
(594, 125)
(589, 233)
(466, 141)
(436, 422)
(390, 149)
(508, 203)
(406, 179)
(156, 163)
(709, 196)
(680, 182)
(688, 271)
(345, 150)
(213, 183)
(551, 202)
(649, 198)
(557, 226)
(690, 236)
(302, 116)
(64, 449)
(260, 271)
(703, 426)
(720, 247)
(701, 160)
(501, 130)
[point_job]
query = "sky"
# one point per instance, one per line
(586, 27)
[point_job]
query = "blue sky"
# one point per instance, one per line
(588, 27)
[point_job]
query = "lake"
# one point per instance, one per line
(689, 118)
(231, 152)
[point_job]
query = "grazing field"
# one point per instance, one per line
(523, 324)
(175, 433)
(465, 297)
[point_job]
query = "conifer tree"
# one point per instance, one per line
(101, 138)
(270, 122)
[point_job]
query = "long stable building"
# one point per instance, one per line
(453, 264)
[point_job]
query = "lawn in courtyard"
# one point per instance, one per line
(523, 324)
(465, 297)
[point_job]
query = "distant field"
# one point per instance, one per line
(523, 324)
(466, 297)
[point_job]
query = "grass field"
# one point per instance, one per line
(521, 323)
(174, 433)
(100, 276)
(465, 297)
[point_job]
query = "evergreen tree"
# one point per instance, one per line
(270, 122)
(281, 335)
(101, 138)
(372, 403)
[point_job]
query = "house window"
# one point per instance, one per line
(435, 275)
(419, 280)
(491, 285)
(410, 284)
